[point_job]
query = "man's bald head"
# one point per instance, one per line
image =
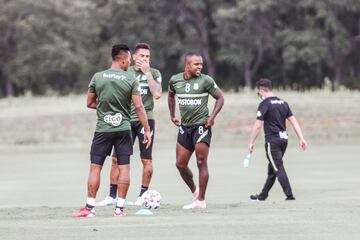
(193, 64)
(189, 57)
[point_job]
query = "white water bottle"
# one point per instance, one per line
(247, 161)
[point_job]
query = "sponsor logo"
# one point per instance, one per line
(190, 102)
(113, 120)
(113, 75)
(277, 102)
(258, 114)
(283, 135)
(143, 91)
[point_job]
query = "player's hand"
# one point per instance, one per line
(209, 122)
(175, 121)
(144, 66)
(303, 144)
(250, 147)
(147, 139)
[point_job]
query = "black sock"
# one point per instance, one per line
(113, 190)
(89, 207)
(121, 208)
(143, 189)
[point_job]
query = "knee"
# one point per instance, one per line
(180, 165)
(124, 180)
(201, 161)
(148, 166)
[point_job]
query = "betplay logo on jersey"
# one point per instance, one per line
(113, 120)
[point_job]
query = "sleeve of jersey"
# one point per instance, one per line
(289, 113)
(136, 88)
(211, 86)
(262, 110)
(171, 86)
(91, 87)
(157, 76)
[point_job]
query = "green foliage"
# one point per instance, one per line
(55, 46)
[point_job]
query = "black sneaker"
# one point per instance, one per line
(290, 197)
(257, 197)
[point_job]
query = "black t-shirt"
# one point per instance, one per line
(274, 112)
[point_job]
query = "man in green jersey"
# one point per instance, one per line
(111, 93)
(150, 84)
(192, 89)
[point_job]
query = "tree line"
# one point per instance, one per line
(55, 46)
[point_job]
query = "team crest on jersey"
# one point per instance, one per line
(143, 77)
(114, 120)
(196, 86)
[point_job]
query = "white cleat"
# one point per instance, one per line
(108, 201)
(195, 204)
(138, 202)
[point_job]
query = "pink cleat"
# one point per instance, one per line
(84, 213)
(119, 213)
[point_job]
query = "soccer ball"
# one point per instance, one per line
(151, 199)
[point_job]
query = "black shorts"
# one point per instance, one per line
(103, 142)
(137, 130)
(189, 136)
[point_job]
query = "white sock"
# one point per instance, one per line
(120, 202)
(90, 201)
(196, 191)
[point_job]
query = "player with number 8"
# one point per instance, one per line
(192, 89)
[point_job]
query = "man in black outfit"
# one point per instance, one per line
(273, 112)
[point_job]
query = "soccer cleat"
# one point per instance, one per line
(119, 213)
(195, 204)
(108, 201)
(257, 197)
(85, 213)
(195, 194)
(138, 202)
(291, 197)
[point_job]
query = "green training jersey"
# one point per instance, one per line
(113, 89)
(146, 96)
(193, 97)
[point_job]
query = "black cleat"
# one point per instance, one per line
(290, 197)
(257, 197)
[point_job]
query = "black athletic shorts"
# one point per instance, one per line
(137, 130)
(189, 136)
(103, 142)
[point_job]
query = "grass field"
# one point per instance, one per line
(44, 144)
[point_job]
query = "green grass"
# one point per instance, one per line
(40, 188)
(66, 120)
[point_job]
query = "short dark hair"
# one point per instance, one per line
(189, 55)
(119, 49)
(142, 46)
(264, 83)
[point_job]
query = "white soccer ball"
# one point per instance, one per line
(151, 199)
